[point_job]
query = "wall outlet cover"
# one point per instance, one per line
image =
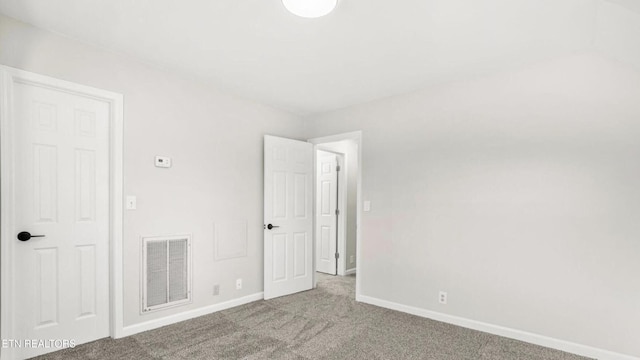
(442, 297)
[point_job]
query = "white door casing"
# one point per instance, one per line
(326, 217)
(288, 191)
(61, 178)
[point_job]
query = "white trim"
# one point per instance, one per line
(6, 217)
(562, 345)
(8, 76)
(351, 271)
(154, 324)
(314, 280)
(357, 137)
(343, 186)
(117, 216)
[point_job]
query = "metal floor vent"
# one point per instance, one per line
(166, 272)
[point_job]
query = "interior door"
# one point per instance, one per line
(61, 268)
(288, 219)
(326, 216)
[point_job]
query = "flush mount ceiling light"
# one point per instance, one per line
(310, 8)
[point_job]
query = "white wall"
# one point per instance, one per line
(517, 193)
(350, 150)
(215, 141)
(618, 30)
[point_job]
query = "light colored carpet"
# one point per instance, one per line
(325, 323)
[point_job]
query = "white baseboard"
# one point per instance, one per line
(350, 271)
(172, 319)
(566, 346)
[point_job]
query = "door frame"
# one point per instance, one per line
(341, 238)
(357, 137)
(8, 77)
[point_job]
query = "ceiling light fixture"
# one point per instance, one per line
(310, 8)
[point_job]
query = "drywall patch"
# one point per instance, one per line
(230, 239)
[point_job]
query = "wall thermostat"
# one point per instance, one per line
(163, 162)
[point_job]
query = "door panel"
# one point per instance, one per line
(46, 262)
(300, 198)
(288, 170)
(300, 255)
(61, 157)
(86, 280)
(327, 204)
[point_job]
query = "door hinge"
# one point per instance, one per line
(337, 211)
(337, 256)
(338, 168)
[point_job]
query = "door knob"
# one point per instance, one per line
(25, 235)
(272, 226)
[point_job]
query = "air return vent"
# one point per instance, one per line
(166, 272)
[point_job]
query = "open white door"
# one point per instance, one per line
(326, 213)
(288, 219)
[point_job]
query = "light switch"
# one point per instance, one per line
(131, 202)
(367, 206)
(163, 161)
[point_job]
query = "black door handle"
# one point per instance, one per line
(25, 235)
(272, 226)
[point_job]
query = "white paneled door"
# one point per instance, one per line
(326, 216)
(288, 216)
(60, 252)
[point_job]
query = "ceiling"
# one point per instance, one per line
(364, 50)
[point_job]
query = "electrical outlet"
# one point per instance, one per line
(216, 290)
(238, 284)
(442, 298)
(352, 259)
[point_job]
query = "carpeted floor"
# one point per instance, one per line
(325, 323)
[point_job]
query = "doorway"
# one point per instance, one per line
(347, 149)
